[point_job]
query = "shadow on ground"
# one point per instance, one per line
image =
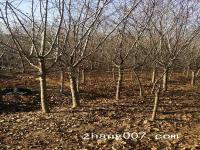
(13, 103)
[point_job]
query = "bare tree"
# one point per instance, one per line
(128, 36)
(172, 24)
(42, 37)
(192, 60)
(82, 35)
(156, 102)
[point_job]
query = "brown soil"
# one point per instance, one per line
(22, 126)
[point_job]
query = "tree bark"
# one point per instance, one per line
(153, 75)
(43, 89)
(184, 70)
(119, 83)
(109, 67)
(113, 74)
(165, 79)
(193, 78)
(170, 73)
(139, 84)
(9, 68)
(157, 94)
(83, 75)
(197, 74)
(132, 75)
(188, 71)
(61, 81)
(77, 80)
(23, 63)
(73, 87)
(91, 65)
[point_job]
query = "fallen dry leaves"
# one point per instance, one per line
(22, 126)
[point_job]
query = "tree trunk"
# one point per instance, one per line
(91, 65)
(157, 94)
(119, 83)
(184, 70)
(23, 63)
(9, 68)
(73, 87)
(113, 74)
(83, 75)
(193, 78)
(170, 73)
(140, 84)
(197, 74)
(43, 89)
(61, 81)
(77, 80)
(108, 67)
(165, 79)
(153, 75)
(153, 87)
(132, 75)
(188, 71)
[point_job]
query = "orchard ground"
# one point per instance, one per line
(101, 118)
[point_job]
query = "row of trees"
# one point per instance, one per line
(124, 34)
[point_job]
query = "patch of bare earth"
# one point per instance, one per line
(101, 116)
